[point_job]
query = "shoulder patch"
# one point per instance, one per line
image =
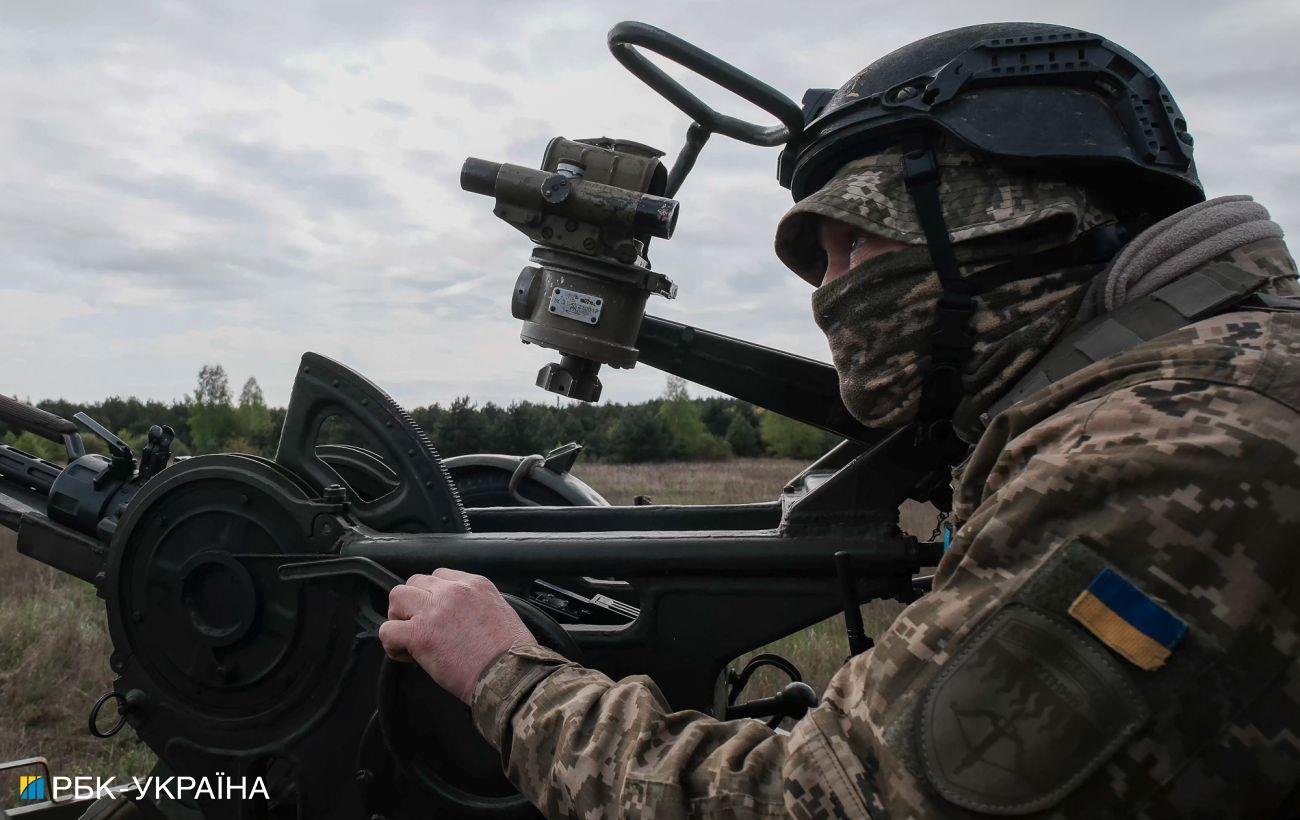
(1124, 618)
(1027, 709)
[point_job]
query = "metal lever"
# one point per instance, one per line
(116, 447)
(858, 640)
(336, 570)
(696, 136)
(793, 701)
(356, 567)
(122, 461)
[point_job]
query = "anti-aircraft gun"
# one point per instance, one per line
(243, 594)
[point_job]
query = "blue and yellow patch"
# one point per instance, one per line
(1126, 620)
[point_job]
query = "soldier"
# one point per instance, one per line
(1011, 250)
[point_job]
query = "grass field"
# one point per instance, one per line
(701, 482)
(54, 652)
(54, 647)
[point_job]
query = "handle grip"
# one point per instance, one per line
(35, 420)
(46, 425)
(793, 701)
(623, 37)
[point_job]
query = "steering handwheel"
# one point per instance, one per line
(626, 35)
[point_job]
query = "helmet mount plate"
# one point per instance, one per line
(1041, 94)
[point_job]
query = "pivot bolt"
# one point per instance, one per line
(335, 494)
(904, 94)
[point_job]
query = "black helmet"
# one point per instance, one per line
(1026, 93)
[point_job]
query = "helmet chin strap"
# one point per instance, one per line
(951, 339)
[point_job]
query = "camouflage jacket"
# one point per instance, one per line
(1115, 629)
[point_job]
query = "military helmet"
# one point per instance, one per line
(1025, 93)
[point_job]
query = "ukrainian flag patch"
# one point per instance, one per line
(1124, 618)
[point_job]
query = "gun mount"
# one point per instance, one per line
(243, 593)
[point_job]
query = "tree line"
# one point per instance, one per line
(673, 427)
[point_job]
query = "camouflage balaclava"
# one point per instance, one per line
(879, 315)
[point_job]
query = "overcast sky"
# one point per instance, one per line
(187, 183)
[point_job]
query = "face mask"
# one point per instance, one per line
(878, 316)
(877, 319)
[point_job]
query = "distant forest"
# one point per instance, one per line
(674, 427)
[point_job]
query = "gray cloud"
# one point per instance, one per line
(191, 182)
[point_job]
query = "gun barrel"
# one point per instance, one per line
(25, 483)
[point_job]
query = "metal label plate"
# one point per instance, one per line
(580, 307)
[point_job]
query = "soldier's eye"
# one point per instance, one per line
(866, 246)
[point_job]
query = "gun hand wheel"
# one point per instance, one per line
(432, 741)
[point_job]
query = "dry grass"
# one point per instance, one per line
(699, 482)
(54, 645)
(54, 652)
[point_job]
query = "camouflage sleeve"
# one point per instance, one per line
(994, 694)
(578, 744)
(998, 693)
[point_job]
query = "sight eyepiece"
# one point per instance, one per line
(478, 176)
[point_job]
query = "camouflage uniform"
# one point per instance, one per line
(1174, 466)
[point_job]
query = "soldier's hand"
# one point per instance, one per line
(452, 624)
